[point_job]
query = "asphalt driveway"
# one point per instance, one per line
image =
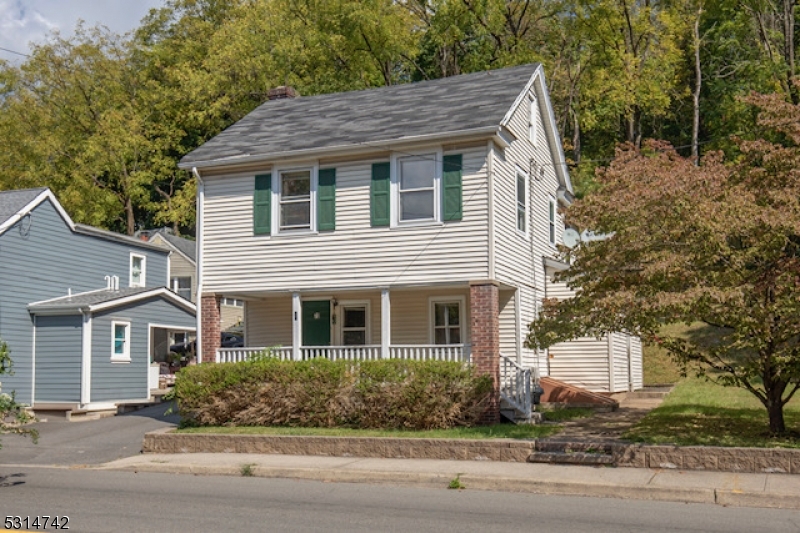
(87, 442)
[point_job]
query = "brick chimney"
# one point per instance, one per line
(284, 91)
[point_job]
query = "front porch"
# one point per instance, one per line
(416, 352)
(466, 322)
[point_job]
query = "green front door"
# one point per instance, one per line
(317, 323)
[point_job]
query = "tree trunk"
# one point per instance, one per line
(788, 47)
(130, 219)
(776, 423)
(698, 84)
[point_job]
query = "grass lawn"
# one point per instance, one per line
(496, 431)
(698, 412)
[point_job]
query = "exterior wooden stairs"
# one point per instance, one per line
(519, 392)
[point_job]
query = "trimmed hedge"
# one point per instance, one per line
(389, 394)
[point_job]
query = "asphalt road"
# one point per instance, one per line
(100, 501)
(86, 442)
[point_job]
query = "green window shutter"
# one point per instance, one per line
(451, 188)
(262, 204)
(379, 195)
(326, 200)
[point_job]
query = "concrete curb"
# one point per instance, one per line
(469, 482)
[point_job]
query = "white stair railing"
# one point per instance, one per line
(515, 386)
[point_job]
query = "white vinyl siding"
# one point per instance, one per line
(355, 254)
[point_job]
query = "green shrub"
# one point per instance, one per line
(390, 394)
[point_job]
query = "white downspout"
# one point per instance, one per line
(199, 263)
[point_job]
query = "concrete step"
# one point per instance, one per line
(572, 458)
(555, 446)
(513, 416)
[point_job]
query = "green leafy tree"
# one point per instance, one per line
(717, 243)
(13, 416)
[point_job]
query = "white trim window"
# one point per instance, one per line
(182, 286)
(138, 270)
(232, 302)
(533, 118)
(120, 342)
(416, 183)
(296, 191)
(355, 323)
(447, 320)
(522, 202)
(551, 220)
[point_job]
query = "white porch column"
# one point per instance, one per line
(386, 321)
(297, 338)
(518, 324)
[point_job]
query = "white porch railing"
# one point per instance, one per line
(417, 352)
(515, 386)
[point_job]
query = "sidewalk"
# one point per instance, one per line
(723, 488)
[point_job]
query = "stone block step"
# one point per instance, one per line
(646, 394)
(597, 448)
(574, 458)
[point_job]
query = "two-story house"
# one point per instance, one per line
(410, 221)
(80, 307)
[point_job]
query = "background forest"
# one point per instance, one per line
(103, 119)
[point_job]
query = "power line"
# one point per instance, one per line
(14, 52)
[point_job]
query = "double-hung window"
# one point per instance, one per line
(417, 181)
(137, 270)
(447, 323)
(354, 325)
(522, 202)
(182, 285)
(295, 211)
(121, 341)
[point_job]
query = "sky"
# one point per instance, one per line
(26, 21)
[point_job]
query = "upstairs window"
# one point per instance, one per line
(137, 270)
(522, 202)
(533, 119)
(182, 286)
(295, 200)
(551, 219)
(417, 179)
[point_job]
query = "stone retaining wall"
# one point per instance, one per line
(625, 455)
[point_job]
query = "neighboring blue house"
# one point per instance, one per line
(79, 307)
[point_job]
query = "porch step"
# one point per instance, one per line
(575, 453)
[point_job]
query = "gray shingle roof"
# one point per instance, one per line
(12, 201)
(186, 247)
(84, 299)
(459, 103)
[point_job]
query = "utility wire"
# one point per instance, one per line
(14, 52)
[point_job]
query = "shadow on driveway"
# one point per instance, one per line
(86, 442)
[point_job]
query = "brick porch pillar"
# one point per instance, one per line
(209, 332)
(484, 297)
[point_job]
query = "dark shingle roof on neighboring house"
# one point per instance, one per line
(12, 201)
(75, 302)
(465, 103)
(185, 246)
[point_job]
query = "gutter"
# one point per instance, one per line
(199, 264)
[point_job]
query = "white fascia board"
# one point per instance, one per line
(160, 291)
(556, 149)
(331, 151)
(555, 264)
(57, 298)
(47, 194)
